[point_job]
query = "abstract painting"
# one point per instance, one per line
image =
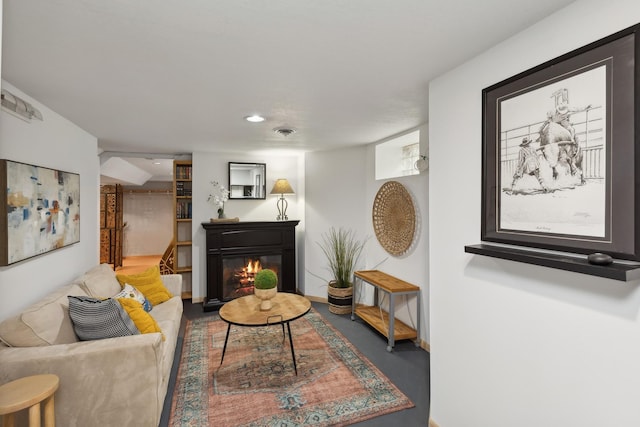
(40, 211)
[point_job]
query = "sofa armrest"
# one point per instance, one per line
(173, 283)
(120, 376)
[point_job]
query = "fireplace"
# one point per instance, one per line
(237, 251)
(238, 273)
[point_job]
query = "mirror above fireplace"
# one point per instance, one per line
(247, 180)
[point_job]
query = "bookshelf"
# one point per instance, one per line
(182, 208)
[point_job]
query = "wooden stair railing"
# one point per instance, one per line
(167, 262)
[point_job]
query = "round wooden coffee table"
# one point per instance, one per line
(245, 311)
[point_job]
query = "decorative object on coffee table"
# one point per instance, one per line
(394, 218)
(342, 249)
(265, 287)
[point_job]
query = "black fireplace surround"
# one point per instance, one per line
(252, 239)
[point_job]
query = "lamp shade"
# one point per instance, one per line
(282, 186)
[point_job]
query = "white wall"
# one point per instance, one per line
(412, 266)
(209, 167)
(341, 188)
(335, 197)
(1, 9)
(514, 344)
(149, 219)
(58, 144)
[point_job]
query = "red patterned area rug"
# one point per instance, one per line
(256, 385)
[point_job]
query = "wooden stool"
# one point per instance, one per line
(28, 392)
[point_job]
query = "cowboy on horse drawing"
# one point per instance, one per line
(562, 113)
(558, 143)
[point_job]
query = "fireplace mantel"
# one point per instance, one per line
(234, 239)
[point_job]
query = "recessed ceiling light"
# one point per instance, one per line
(254, 119)
(156, 163)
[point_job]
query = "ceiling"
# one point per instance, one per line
(151, 76)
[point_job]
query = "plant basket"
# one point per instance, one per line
(265, 296)
(340, 299)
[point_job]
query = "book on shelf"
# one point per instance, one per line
(183, 210)
(183, 172)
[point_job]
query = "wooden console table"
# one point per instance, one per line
(384, 322)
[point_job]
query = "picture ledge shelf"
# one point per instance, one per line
(579, 264)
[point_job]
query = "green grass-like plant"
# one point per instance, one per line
(265, 279)
(342, 249)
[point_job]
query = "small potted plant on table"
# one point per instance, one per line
(265, 287)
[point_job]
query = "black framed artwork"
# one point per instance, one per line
(559, 157)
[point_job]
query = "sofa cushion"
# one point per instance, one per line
(46, 322)
(132, 293)
(149, 283)
(100, 281)
(167, 310)
(95, 318)
(168, 315)
(143, 320)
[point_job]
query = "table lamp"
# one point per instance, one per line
(282, 187)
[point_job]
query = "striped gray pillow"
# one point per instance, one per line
(95, 319)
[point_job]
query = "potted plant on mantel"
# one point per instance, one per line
(342, 249)
(265, 285)
(217, 198)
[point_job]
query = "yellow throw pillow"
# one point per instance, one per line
(145, 323)
(149, 283)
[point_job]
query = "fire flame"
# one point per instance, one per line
(253, 267)
(242, 278)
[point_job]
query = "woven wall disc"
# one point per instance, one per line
(394, 218)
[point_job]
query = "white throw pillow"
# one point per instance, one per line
(130, 292)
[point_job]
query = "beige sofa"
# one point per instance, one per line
(110, 382)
